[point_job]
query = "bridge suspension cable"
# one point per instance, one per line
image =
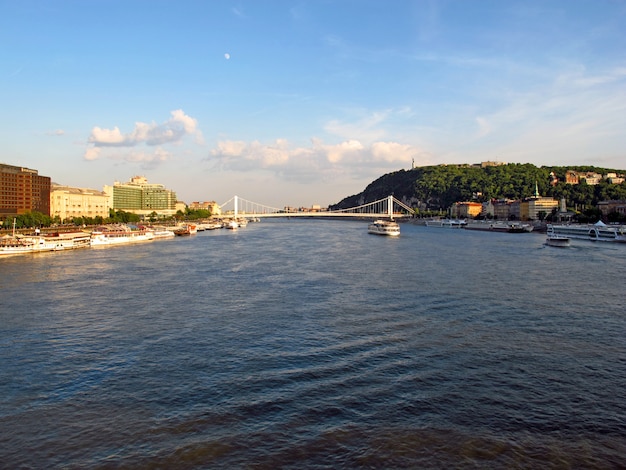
(243, 206)
(389, 206)
(385, 207)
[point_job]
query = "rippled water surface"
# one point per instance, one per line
(311, 344)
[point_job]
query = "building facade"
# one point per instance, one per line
(501, 208)
(67, 203)
(211, 206)
(608, 207)
(142, 198)
(23, 190)
(465, 210)
(533, 208)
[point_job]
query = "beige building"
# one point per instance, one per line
(67, 203)
(211, 206)
(614, 178)
(531, 208)
(466, 209)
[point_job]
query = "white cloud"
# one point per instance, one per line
(107, 143)
(392, 152)
(56, 132)
(317, 162)
(107, 137)
(92, 153)
(173, 130)
(145, 159)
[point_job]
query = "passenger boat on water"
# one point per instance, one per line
(16, 243)
(384, 227)
(160, 232)
(558, 241)
(186, 229)
(593, 232)
(119, 234)
(20, 244)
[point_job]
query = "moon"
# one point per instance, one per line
(227, 56)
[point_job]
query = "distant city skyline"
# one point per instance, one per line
(305, 102)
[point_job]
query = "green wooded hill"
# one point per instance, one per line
(433, 188)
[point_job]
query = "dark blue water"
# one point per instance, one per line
(311, 344)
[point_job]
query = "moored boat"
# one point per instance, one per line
(499, 226)
(516, 227)
(186, 229)
(119, 234)
(18, 244)
(446, 223)
(231, 224)
(160, 232)
(384, 227)
(592, 232)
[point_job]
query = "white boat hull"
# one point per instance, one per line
(593, 232)
(383, 227)
(558, 242)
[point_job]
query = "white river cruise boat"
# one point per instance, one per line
(593, 232)
(384, 227)
(119, 234)
(17, 244)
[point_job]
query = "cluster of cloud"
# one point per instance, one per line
(361, 151)
(171, 131)
(317, 161)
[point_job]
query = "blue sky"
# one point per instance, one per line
(307, 101)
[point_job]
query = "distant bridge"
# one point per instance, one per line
(386, 207)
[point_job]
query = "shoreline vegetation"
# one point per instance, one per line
(431, 190)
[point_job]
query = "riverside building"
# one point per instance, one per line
(142, 198)
(23, 190)
(67, 203)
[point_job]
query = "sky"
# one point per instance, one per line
(305, 102)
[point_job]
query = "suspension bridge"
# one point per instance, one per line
(386, 207)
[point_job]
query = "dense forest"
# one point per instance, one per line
(436, 188)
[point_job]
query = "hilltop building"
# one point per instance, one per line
(142, 198)
(23, 190)
(490, 163)
(592, 178)
(67, 203)
(614, 178)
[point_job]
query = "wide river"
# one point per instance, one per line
(311, 344)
